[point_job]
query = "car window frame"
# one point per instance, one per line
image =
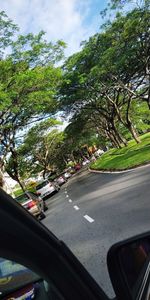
(26, 241)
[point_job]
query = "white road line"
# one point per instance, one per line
(89, 219)
(76, 207)
(70, 200)
(66, 192)
(67, 196)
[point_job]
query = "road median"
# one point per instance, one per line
(124, 159)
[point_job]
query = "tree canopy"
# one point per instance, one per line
(28, 82)
(104, 77)
(105, 89)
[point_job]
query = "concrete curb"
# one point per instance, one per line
(118, 172)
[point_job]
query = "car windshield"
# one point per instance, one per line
(75, 120)
(41, 185)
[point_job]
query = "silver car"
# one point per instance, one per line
(34, 204)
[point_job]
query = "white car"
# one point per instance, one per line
(67, 175)
(85, 162)
(99, 152)
(46, 188)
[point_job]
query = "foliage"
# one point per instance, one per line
(105, 88)
(40, 148)
(36, 51)
(103, 77)
(28, 83)
(7, 31)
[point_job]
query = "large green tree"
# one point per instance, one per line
(104, 77)
(28, 83)
(37, 151)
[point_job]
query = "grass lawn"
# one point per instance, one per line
(19, 191)
(128, 157)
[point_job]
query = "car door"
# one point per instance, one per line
(29, 243)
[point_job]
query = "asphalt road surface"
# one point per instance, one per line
(93, 211)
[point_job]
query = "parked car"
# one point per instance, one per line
(33, 203)
(85, 162)
(77, 167)
(72, 171)
(60, 180)
(37, 196)
(67, 175)
(46, 189)
(98, 153)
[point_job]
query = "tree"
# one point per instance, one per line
(37, 151)
(103, 76)
(14, 167)
(86, 129)
(123, 6)
(7, 31)
(28, 83)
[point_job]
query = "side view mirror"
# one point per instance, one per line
(129, 268)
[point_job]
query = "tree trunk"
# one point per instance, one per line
(130, 125)
(133, 132)
(114, 133)
(116, 139)
(44, 173)
(16, 178)
(120, 137)
(72, 157)
(65, 161)
(21, 185)
(112, 140)
(14, 174)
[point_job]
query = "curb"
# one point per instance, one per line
(118, 172)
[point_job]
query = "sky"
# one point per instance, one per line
(70, 20)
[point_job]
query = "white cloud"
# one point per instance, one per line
(61, 19)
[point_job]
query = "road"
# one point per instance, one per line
(93, 211)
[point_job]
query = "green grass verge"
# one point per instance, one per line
(19, 191)
(128, 157)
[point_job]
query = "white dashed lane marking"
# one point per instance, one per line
(76, 207)
(89, 219)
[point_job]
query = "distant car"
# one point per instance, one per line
(33, 203)
(67, 175)
(77, 167)
(46, 188)
(72, 171)
(12, 276)
(99, 152)
(85, 162)
(60, 180)
(93, 158)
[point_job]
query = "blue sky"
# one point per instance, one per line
(70, 20)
